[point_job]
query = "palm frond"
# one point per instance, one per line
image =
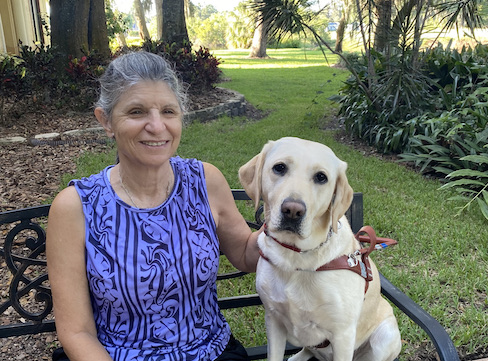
(456, 11)
(283, 16)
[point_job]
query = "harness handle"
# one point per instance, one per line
(379, 242)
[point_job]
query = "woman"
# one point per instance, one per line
(133, 251)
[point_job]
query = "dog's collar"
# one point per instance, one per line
(299, 250)
(357, 262)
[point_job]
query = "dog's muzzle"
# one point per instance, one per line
(292, 214)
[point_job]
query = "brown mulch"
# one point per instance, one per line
(30, 175)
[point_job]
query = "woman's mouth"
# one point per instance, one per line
(155, 144)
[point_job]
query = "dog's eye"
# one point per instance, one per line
(279, 168)
(320, 178)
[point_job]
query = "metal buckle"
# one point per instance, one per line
(352, 261)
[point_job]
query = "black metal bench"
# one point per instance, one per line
(22, 254)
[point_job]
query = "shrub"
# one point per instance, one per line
(43, 70)
(197, 68)
(382, 104)
(12, 73)
(436, 116)
(441, 143)
(44, 77)
(54, 79)
(471, 185)
(379, 108)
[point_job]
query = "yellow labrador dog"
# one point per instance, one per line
(326, 310)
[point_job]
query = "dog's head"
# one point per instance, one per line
(302, 183)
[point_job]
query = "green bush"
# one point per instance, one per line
(470, 184)
(41, 76)
(12, 73)
(379, 108)
(436, 117)
(51, 78)
(197, 68)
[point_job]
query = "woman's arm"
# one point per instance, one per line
(65, 249)
(237, 241)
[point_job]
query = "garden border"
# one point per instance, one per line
(235, 106)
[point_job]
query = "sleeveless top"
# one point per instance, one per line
(152, 272)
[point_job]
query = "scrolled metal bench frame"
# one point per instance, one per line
(25, 283)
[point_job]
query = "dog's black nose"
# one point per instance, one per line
(293, 209)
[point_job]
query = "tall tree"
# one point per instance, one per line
(97, 28)
(383, 10)
(174, 22)
(159, 19)
(141, 20)
(259, 40)
(78, 26)
(341, 29)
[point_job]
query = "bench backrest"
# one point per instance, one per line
(26, 300)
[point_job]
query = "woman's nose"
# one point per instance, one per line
(155, 122)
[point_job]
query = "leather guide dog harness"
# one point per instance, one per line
(357, 262)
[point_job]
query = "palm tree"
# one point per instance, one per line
(286, 17)
(293, 16)
(259, 40)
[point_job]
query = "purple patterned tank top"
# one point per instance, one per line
(152, 272)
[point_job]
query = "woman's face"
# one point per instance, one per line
(147, 123)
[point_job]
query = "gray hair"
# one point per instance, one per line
(130, 69)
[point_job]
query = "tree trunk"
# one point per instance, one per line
(159, 19)
(141, 20)
(69, 26)
(341, 29)
(382, 31)
(174, 22)
(79, 26)
(121, 40)
(259, 41)
(97, 28)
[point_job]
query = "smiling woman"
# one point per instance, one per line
(139, 242)
(146, 124)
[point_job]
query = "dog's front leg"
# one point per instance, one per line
(276, 333)
(343, 345)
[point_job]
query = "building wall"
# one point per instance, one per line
(3, 47)
(8, 26)
(19, 21)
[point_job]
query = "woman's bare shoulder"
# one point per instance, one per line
(66, 206)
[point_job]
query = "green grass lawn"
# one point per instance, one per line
(441, 260)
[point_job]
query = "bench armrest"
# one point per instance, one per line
(441, 340)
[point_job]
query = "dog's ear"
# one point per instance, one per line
(342, 196)
(250, 174)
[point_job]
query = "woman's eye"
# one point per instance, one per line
(135, 112)
(280, 169)
(320, 178)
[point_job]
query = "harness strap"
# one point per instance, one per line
(350, 262)
(361, 266)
